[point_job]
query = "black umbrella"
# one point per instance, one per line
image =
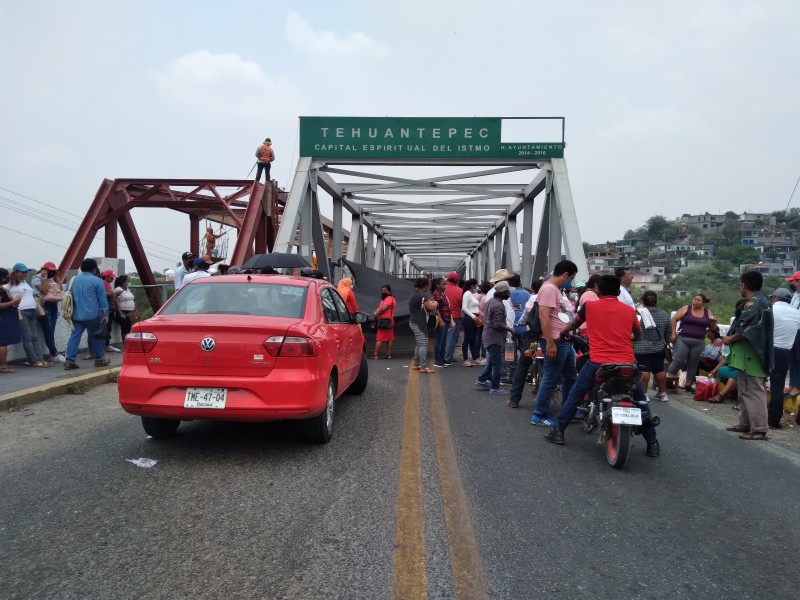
(276, 260)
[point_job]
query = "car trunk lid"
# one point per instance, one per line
(197, 345)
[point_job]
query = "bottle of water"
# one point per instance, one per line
(725, 350)
(509, 350)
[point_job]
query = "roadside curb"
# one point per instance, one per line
(71, 385)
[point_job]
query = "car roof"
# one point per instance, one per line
(258, 278)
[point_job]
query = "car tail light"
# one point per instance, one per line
(279, 345)
(140, 342)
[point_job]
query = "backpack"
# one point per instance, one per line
(67, 304)
(533, 323)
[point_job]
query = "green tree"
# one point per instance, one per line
(737, 255)
(659, 227)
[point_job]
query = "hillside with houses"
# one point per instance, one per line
(702, 252)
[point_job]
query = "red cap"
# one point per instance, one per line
(108, 273)
(795, 277)
(49, 266)
(453, 276)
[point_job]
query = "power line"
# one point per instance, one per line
(44, 218)
(79, 217)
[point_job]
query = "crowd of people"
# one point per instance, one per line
(29, 313)
(491, 321)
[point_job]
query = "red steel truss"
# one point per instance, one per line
(249, 206)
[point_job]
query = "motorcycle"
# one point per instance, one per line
(612, 411)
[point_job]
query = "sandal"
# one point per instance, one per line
(374, 356)
(415, 367)
(735, 407)
(426, 370)
(737, 429)
(388, 356)
(754, 435)
(7, 369)
(40, 363)
(88, 357)
(716, 399)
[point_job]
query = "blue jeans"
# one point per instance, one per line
(27, 329)
(452, 339)
(439, 345)
(96, 347)
(582, 386)
(472, 343)
(493, 367)
(560, 369)
(48, 323)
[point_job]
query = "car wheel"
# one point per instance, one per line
(360, 384)
(160, 428)
(319, 429)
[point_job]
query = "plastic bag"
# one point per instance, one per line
(102, 332)
(705, 390)
(681, 378)
(145, 463)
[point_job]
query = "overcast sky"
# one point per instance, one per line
(670, 107)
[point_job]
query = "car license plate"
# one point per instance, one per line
(205, 397)
(626, 415)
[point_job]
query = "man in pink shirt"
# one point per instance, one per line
(559, 356)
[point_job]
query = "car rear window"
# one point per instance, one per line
(257, 299)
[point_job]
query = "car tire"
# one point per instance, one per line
(319, 429)
(160, 428)
(360, 384)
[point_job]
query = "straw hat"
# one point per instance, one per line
(500, 275)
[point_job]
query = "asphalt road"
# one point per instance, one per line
(429, 489)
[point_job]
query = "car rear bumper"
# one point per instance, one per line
(287, 395)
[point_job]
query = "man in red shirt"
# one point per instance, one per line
(454, 294)
(610, 324)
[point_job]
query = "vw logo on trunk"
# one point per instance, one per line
(208, 344)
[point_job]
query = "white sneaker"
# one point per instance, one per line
(59, 358)
(662, 396)
(112, 349)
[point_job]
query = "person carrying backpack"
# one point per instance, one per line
(529, 320)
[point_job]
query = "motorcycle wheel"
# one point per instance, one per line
(536, 376)
(618, 444)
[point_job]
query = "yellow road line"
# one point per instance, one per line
(410, 580)
(464, 557)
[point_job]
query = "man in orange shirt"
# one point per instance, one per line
(265, 157)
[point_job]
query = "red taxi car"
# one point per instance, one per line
(244, 348)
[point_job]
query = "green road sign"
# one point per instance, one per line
(415, 138)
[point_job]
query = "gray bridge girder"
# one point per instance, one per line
(411, 227)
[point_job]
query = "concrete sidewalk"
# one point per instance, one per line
(34, 384)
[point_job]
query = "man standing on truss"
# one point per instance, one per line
(265, 157)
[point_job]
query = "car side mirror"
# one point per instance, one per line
(361, 317)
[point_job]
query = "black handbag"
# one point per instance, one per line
(102, 332)
(384, 323)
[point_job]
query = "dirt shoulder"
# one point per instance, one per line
(787, 437)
